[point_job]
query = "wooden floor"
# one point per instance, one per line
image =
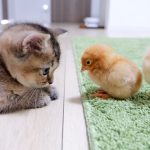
(59, 126)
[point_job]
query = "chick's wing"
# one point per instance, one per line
(121, 75)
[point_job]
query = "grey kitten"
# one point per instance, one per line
(29, 55)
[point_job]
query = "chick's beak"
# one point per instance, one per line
(82, 69)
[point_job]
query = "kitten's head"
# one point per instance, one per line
(33, 60)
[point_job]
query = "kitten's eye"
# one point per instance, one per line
(88, 62)
(45, 71)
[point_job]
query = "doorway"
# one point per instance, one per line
(70, 10)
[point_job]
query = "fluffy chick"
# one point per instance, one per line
(146, 67)
(117, 76)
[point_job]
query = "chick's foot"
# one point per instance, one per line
(101, 94)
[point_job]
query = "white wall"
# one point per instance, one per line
(95, 8)
(128, 15)
(98, 10)
(0, 9)
(29, 10)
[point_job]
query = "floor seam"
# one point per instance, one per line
(64, 100)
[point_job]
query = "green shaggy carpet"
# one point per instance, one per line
(116, 124)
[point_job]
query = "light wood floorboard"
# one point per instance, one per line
(74, 130)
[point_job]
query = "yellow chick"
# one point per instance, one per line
(146, 67)
(117, 76)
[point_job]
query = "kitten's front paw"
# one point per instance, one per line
(43, 102)
(52, 92)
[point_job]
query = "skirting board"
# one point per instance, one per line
(128, 31)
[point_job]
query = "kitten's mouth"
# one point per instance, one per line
(44, 84)
(41, 86)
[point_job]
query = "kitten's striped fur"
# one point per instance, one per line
(29, 55)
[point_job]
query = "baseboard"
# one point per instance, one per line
(128, 31)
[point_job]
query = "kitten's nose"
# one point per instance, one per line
(50, 81)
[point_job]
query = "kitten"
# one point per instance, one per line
(29, 55)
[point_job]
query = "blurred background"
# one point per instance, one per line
(48, 11)
(113, 15)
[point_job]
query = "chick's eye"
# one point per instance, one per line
(88, 62)
(45, 71)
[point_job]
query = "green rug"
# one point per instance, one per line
(116, 124)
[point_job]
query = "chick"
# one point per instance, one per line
(146, 67)
(117, 76)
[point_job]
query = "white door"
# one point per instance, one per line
(30, 11)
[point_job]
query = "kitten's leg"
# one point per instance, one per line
(52, 92)
(9, 103)
(32, 98)
(39, 99)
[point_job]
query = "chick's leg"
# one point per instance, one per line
(101, 94)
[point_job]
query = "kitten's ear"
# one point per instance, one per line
(58, 31)
(35, 41)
